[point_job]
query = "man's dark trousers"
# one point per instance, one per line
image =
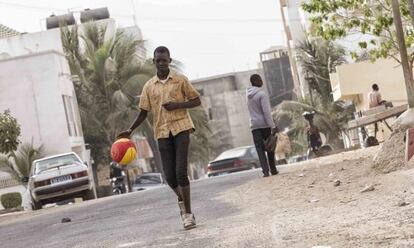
(269, 163)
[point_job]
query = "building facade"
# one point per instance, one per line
(224, 98)
(278, 75)
(353, 82)
(295, 23)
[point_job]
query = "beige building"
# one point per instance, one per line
(353, 82)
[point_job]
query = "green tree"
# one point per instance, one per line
(109, 74)
(330, 120)
(334, 19)
(318, 59)
(9, 132)
(19, 163)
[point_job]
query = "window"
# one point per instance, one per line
(235, 153)
(70, 116)
(55, 162)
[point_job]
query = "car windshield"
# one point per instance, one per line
(55, 162)
(148, 179)
(235, 153)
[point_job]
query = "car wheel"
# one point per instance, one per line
(88, 195)
(36, 205)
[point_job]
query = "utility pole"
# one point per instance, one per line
(135, 13)
(408, 74)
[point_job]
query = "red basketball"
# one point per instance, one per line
(123, 151)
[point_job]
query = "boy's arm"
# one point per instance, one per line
(189, 93)
(140, 118)
(144, 106)
(182, 105)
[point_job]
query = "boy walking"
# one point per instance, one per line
(261, 123)
(167, 96)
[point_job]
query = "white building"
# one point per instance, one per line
(37, 87)
(38, 90)
(296, 25)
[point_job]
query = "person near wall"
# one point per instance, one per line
(375, 100)
(168, 96)
(261, 123)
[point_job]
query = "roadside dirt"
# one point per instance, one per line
(320, 203)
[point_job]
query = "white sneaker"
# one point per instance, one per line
(181, 205)
(189, 221)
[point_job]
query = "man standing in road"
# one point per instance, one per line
(261, 123)
(167, 96)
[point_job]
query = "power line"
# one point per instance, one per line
(190, 19)
(214, 33)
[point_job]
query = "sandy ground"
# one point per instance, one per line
(304, 208)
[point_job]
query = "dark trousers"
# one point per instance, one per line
(174, 153)
(269, 163)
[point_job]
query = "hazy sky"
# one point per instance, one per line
(208, 36)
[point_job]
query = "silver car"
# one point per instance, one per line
(148, 181)
(60, 177)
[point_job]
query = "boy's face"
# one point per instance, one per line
(162, 62)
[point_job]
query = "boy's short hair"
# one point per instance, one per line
(254, 78)
(162, 49)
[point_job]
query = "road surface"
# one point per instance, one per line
(139, 219)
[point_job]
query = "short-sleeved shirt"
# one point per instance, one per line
(374, 99)
(176, 89)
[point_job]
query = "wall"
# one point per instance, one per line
(32, 88)
(224, 98)
(238, 117)
(354, 81)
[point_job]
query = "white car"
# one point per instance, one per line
(58, 178)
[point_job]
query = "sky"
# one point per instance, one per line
(209, 37)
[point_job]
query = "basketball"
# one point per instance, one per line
(123, 151)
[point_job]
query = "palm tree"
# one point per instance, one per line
(318, 59)
(19, 163)
(111, 73)
(330, 120)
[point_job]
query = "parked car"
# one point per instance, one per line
(237, 159)
(60, 177)
(297, 158)
(148, 181)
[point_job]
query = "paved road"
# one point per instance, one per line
(140, 219)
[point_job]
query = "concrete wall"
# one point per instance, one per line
(238, 117)
(224, 98)
(354, 81)
(32, 88)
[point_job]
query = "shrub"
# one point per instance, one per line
(11, 200)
